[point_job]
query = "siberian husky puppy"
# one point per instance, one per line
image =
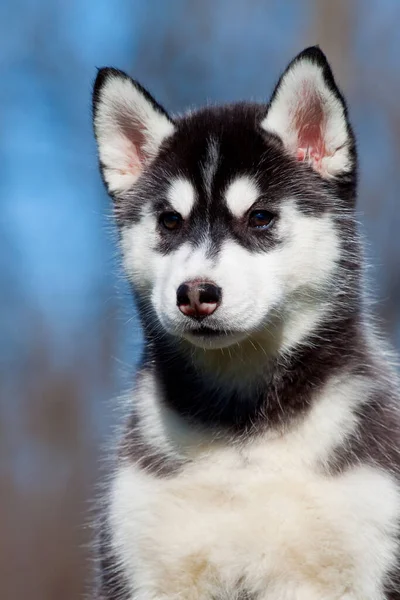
(261, 456)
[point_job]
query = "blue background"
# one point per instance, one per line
(68, 329)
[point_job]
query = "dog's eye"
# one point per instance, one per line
(171, 220)
(260, 219)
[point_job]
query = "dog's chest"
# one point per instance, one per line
(239, 523)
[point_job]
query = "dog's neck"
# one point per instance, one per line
(252, 386)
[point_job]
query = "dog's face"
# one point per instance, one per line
(231, 218)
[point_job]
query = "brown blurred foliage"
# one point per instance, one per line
(50, 468)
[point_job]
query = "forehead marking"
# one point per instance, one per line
(210, 166)
(181, 195)
(241, 194)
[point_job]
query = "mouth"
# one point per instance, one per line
(208, 337)
(208, 332)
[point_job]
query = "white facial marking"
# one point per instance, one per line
(138, 241)
(241, 194)
(289, 278)
(181, 195)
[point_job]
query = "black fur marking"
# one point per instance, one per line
(244, 149)
(138, 449)
(245, 595)
(392, 589)
(376, 440)
(112, 584)
(285, 394)
(185, 154)
(239, 594)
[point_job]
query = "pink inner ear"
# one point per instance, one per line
(135, 164)
(135, 135)
(309, 122)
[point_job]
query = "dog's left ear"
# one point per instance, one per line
(308, 113)
(130, 127)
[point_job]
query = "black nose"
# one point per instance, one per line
(198, 299)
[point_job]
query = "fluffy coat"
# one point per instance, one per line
(260, 458)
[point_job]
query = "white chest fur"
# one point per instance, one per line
(220, 528)
(261, 521)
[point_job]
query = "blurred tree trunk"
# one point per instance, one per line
(332, 29)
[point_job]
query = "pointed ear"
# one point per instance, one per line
(308, 113)
(129, 127)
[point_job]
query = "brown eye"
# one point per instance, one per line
(171, 220)
(260, 219)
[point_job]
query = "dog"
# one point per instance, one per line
(260, 459)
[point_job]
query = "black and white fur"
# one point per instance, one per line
(260, 460)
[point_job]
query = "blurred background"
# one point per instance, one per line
(68, 330)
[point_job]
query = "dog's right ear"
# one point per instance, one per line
(129, 126)
(307, 111)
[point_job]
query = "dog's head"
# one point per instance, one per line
(233, 219)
